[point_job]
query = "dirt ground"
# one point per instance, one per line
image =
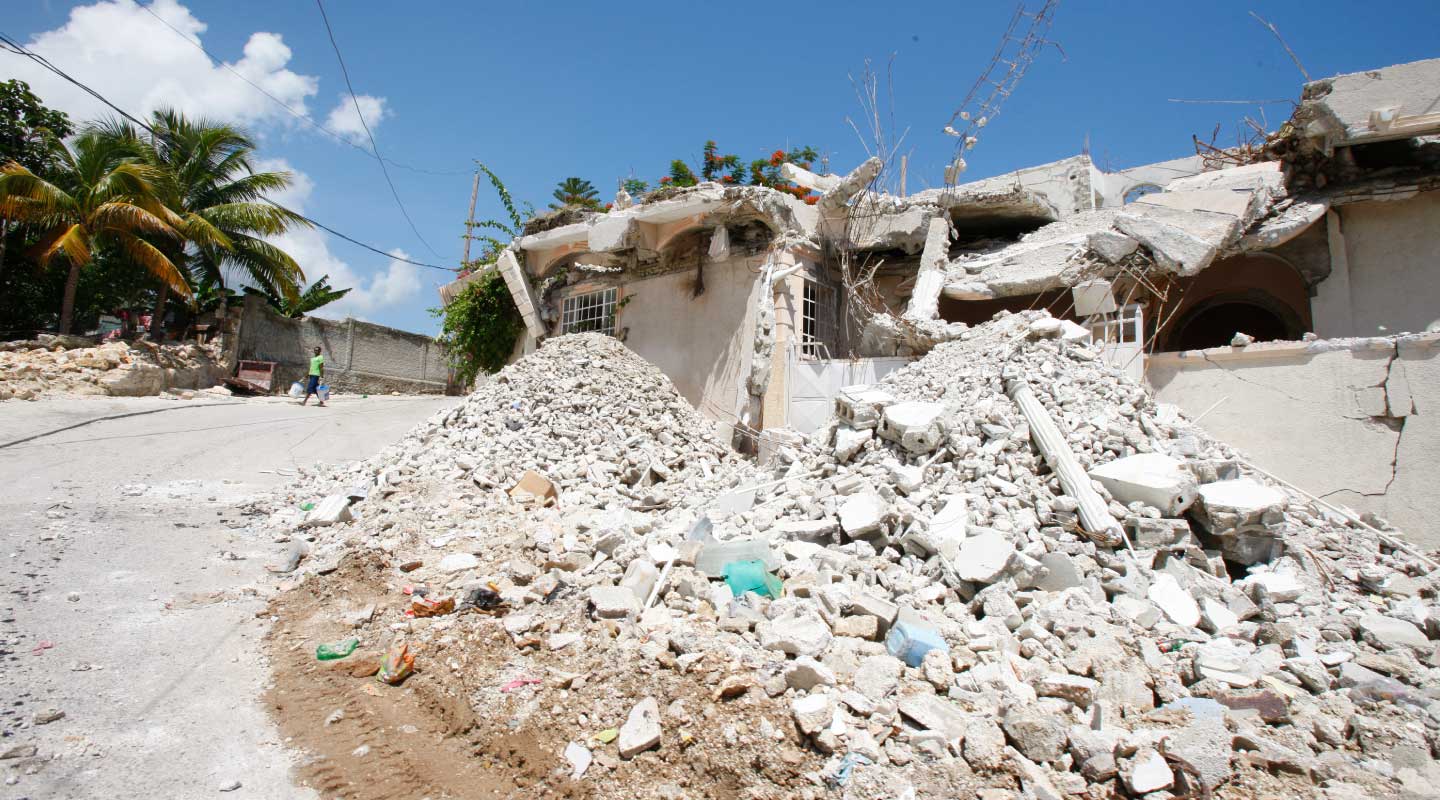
(423, 740)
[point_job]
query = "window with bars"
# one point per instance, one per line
(817, 320)
(589, 312)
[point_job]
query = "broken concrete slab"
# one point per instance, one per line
(1176, 603)
(333, 509)
(983, 558)
(863, 514)
(641, 730)
(918, 427)
(1155, 479)
(936, 714)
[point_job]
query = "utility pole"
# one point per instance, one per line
(470, 220)
(903, 163)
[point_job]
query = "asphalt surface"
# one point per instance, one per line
(131, 593)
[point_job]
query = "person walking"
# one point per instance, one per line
(312, 383)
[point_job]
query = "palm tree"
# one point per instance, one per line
(99, 192)
(318, 294)
(219, 202)
(575, 192)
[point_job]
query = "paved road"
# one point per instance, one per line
(121, 554)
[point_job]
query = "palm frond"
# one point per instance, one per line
(269, 264)
(121, 216)
(41, 197)
(155, 262)
(68, 239)
(256, 218)
(204, 233)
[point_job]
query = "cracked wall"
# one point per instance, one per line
(1354, 421)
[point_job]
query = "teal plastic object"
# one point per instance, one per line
(751, 576)
(909, 642)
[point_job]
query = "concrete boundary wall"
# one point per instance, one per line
(1356, 421)
(360, 357)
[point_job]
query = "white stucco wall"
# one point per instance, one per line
(1352, 421)
(1385, 268)
(702, 343)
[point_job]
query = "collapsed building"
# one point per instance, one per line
(760, 307)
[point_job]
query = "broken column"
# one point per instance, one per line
(925, 297)
(1094, 514)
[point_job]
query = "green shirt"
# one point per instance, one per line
(316, 363)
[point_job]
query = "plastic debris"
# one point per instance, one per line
(338, 650)
(519, 682)
(432, 607)
(397, 665)
(910, 642)
(751, 576)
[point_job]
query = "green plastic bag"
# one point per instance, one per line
(340, 649)
(750, 576)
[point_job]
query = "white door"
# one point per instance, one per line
(1120, 336)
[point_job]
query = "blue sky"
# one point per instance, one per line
(541, 91)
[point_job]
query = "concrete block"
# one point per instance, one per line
(614, 602)
(800, 632)
(868, 604)
(1157, 534)
(984, 558)
(640, 578)
(861, 406)
(945, 532)
(861, 515)
(849, 441)
(917, 427)
(331, 510)
(1113, 247)
(812, 712)
(1389, 633)
(1060, 573)
(1244, 516)
(1154, 479)
(1098, 296)
(1173, 248)
(1176, 603)
(819, 531)
(935, 713)
(1146, 772)
(641, 730)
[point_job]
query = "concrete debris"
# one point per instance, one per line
(1275, 668)
(641, 730)
(55, 365)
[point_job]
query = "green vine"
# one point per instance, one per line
(480, 328)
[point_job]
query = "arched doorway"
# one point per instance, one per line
(1257, 294)
(1214, 322)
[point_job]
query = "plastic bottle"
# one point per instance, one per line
(340, 649)
(910, 642)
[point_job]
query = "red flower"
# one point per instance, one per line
(812, 199)
(665, 179)
(609, 206)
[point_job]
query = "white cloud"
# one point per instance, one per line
(392, 286)
(344, 121)
(130, 57)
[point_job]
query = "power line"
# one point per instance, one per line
(334, 232)
(296, 114)
(18, 49)
(383, 169)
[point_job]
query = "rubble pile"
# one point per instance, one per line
(1004, 571)
(65, 366)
